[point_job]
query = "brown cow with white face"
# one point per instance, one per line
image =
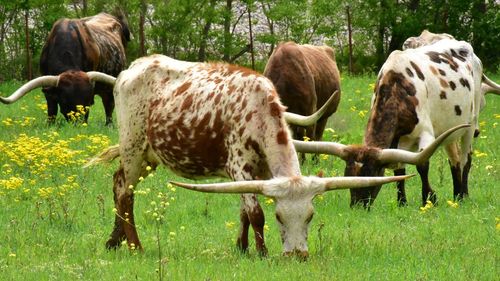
(420, 94)
(305, 77)
(212, 119)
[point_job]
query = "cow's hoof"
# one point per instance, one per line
(263, 252)
(113, 244)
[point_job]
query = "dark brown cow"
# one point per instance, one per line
(73, 47)
(305, 77)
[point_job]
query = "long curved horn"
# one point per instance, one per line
(297, 119)
(415, 158)
(321, 147)
(42, 81)
(337, 183)
(488, 86)
(254, 186)
(101, 77)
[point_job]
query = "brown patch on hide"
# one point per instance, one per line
(282, 137)
(182, 88)
(453, 86)
(250, 144)
(217, 98)
(449, 60)
(275, 109)
(418, 71)
(434, 56)
(465, 83)
(433, 70)
(188, 101)
(393, 112)
(248, 117)
(457, 56)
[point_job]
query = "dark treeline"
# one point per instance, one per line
(246, 31)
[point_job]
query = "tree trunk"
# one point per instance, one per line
(227, 30)
(379, 45)
(349, 30)
(202, 53)
(28, 52)
(252, 55)
(142, 16)
(270, 25)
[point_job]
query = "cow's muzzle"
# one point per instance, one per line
(302, 255)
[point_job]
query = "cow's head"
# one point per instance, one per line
(69, 89)
(425, 38)
(294, 201)
(125, 31)
(368, 161)
(74, 88)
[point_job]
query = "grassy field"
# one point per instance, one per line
(55, 216)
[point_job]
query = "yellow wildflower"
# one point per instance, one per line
(230, 224)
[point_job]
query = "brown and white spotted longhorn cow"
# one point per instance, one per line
(420, 93)
(213, 119)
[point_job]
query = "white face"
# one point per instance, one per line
(293, 215)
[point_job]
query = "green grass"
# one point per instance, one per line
(52, 236)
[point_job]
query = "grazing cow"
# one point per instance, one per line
(420, 93)
(305, 77)
(73, 47)
(212, 119)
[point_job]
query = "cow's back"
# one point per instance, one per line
(305, 76)
(424, 92)
(201, 119)
(64, 48)
(88, 44)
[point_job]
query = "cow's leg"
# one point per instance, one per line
(124, 218)
(299, 133)
(124, 183)
(242, 241)
(456, 169)
(320, 128)
(51, 109)
(251, 214)
(465, 176)
(401, 187)
(109, 105)
(427, 192)
(466, 158)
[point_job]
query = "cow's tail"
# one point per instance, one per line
(107, 156)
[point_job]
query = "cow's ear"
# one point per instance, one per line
(45, 90)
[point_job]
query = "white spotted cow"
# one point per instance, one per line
(420, 93)
(213, 119)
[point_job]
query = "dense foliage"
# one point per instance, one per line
(220, 30)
